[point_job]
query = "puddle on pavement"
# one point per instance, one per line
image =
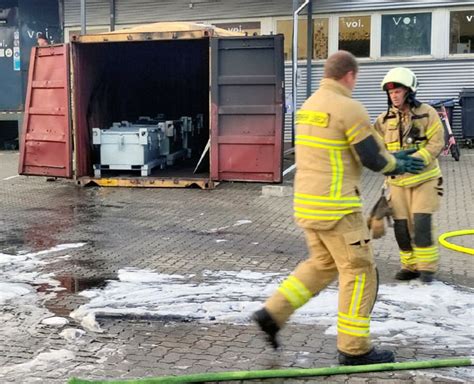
(59, 311)
(75, 284)
(60, 305)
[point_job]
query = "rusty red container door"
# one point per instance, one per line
(247, 101)
(45, 145)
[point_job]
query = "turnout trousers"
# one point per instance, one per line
(345, 251)
(413, 209)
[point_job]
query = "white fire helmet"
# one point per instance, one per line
(399, 76)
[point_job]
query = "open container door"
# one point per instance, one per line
(247, 101)
(45, 144)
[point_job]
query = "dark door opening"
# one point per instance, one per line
(122, 83)
(9, 135)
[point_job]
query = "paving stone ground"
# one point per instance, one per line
(172, 231)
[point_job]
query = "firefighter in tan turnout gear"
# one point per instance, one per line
(411, 125)
(334, 138)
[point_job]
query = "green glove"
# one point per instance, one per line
(402, 155)
(408, 164)
(414, 164)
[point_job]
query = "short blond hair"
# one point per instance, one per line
(340, 63)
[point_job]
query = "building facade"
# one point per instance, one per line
(434, 38)
(21, 21)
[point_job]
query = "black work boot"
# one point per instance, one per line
(406, 274)
(426, 276)
(267, 325)
(372, 357)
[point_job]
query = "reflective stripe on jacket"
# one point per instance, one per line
(420, 128)
(328, 169)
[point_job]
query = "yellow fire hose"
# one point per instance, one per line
(442, 240)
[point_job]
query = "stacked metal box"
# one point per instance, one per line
(143, 145)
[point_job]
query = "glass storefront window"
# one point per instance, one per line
(286, 27)
(406, 34)
(354, 35)
(461, 32)
(320, 32)
(251, 28)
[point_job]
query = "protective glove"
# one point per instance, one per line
(402, 155)
(399, 168)
(408, 164)
(413, 164)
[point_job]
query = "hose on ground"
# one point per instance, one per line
(285, 373)
(454, 247)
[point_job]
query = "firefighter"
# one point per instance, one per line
(410, 124)
(334, 139)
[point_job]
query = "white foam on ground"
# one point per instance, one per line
(55, 321)
(405, 311)
(72, 334)
(42, 360)
(19, 276)
(19, 272)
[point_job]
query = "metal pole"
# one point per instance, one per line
(112, 15)
(310, 41)
(295, 68)
(295, 7)
(83, 17)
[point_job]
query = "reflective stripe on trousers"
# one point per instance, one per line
(333, 251)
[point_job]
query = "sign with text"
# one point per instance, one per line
(10, 57)
(406, 34)
(354, 35)
(250, 28)
(9, 46)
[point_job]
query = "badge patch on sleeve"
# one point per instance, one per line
(314, 118)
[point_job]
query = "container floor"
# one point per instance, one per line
(181, 169)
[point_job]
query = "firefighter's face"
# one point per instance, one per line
(397, 96)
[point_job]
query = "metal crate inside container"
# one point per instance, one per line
(127, 147)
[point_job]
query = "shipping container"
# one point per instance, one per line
(116, 94)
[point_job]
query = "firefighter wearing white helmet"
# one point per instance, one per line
(334, 139)
(400, 75)
(409, 124)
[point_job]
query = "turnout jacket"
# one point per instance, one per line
(419, 128)
(328, 170)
